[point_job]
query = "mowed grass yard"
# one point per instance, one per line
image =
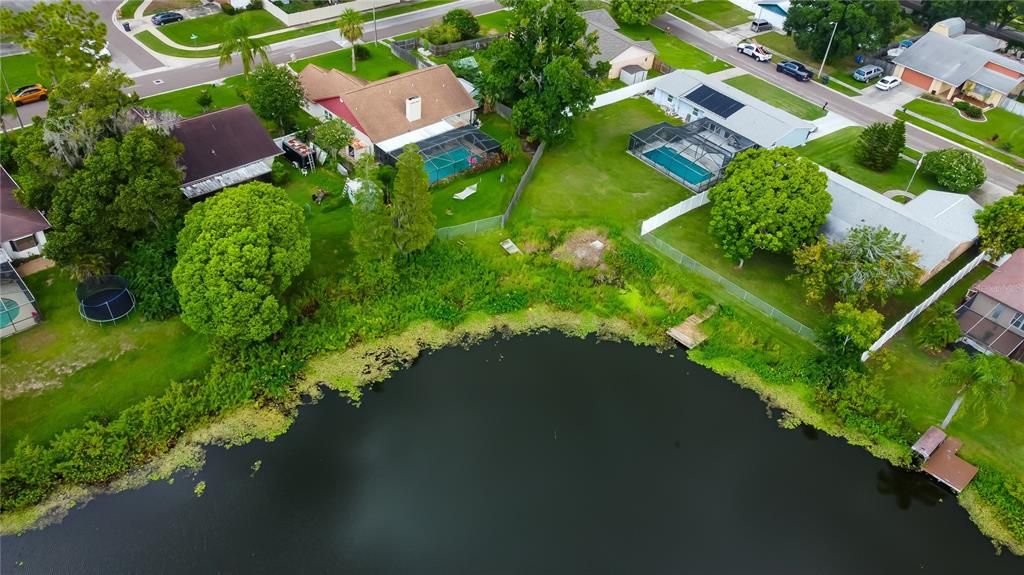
(673, 51)
(381, 63)
(910, 382)
(722, 12)
(81, 370)
(835, 151)
(999, 128)
(213, 29)
(20, 70)
(591, 177)
(777, 97)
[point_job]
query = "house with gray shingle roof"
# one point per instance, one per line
(615, 47)
(949, 63)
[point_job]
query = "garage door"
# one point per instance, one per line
(917, 79)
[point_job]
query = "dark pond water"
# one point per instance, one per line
(540, 454)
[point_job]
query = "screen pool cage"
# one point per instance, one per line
(104, 298)
(446, 155)
(17, 304)
(694, 154)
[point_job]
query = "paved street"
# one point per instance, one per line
(998, 173)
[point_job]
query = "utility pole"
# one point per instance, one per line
(373, 7)
(829, 47)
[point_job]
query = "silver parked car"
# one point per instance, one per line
(867, 73)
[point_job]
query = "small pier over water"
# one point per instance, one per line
(689, 333)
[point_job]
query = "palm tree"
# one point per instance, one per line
(350, 24)
(983, 380)
(239, 40)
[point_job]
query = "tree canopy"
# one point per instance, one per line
(63, 35)
(240, 40)
(771, 200)
(955, 169)
(872, 263)
(333, 136)
(464, 21)
(862, 26)
(986, 381)
(350, 26)
(999, 12)
(276, 94)
(126, 190)
(849, 332)
(372, 228)
(411, 209)
(639, 11)
(880, 144)
(237, 253)
(1001, 226)
(543, 68)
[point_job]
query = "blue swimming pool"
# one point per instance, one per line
(678, 165)
(449, 163)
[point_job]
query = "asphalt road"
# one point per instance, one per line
(998, 173)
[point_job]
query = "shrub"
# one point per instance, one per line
(279, 174)
(955, 169)
(255, 5)
(969, 110)
(464, 22)
(939, 327)
(228, 9)
(148, 272)
(362, 52)
(441, 33)
(204, 99)
(880, 144)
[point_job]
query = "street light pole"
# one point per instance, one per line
(829, 47)
(373, 7)
(916, 168)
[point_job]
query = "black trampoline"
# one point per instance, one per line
(104, 298)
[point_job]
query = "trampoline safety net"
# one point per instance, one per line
(104, 298)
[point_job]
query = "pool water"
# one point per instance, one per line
(449, 163)
(678, 165)
(8, 311)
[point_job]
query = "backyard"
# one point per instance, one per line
(590, 177)
(381, 63)
(1002, 129)
(673, 51)
(835, 151)
(69, 370)
(722, 12)
(211, 30)
(777, 97)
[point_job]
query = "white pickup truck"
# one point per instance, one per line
(755, 51)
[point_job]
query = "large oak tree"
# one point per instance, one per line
(862, 26)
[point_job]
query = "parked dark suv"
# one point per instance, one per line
(162, 18)
(794, 69)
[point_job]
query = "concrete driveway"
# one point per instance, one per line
(888, 101)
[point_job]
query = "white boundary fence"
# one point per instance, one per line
(902, 323)
(1012, 106)
(625, 93)
(667, 215)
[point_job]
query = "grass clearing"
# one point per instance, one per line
(494, 23)
(212, 30)
(835, 151)
(381, 63)
(722, 12)
(777, 97)
(1000, 128)
(590, 177)
(85, 370)
(20, 70)
(673, 51)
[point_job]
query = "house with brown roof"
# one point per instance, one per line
(22, 230)
(223, 149)
(992, 315)
(411, 108)
(941, 461)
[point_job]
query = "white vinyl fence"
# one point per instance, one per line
(667, 215)
(902, 323)
(625, 93)
(1012, 106)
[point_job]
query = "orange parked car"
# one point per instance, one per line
(28, 94)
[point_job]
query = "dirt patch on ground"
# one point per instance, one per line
(583, 249)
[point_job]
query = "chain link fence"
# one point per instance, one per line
(467, 228)
(769, 310)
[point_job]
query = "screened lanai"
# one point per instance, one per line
(450, 153)
(694, 154)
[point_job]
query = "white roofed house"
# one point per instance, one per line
(620, 51)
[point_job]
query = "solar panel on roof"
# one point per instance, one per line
(714, 102)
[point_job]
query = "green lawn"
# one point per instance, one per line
(592, 178)
(494, 23)
(168, 5)
(20, 70)
(673, 51)
(909, 383)
(381, 64)
(1000, 128)
(127, 10)
(406, 8)
(724, 13)
(155, 44)
(212, 30)
(836, 152)
(86, 370)
(777, 97)
(969, 144)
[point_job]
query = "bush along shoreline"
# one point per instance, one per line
(348, 331)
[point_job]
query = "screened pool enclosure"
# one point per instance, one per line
(693, 154)
(450, 153)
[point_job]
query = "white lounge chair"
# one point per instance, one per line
(466, 193)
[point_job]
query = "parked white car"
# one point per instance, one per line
(888, 83)
(755, 51)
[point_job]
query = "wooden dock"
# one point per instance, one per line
(689, 333)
